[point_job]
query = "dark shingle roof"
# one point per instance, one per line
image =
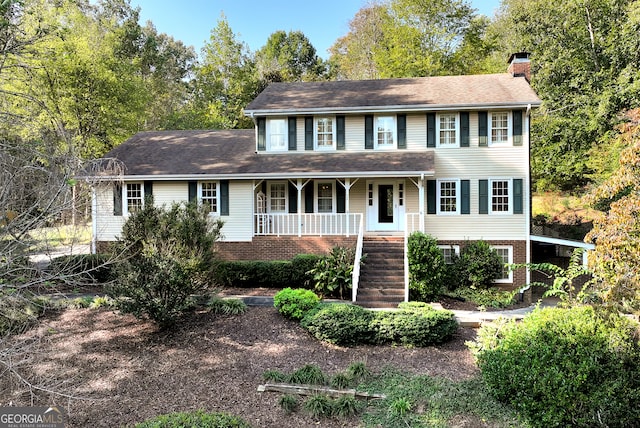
(420, 93)
(232, 153)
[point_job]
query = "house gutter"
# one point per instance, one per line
(391, 109)
(529, 205)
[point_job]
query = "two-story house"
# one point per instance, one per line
(332, 163)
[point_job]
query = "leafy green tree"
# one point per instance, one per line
(289, 57)
(617, 233)
(168, 256)
(224, 83)
(584, 69)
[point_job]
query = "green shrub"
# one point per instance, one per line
(332, 274)
(479, 265)
(226, 306)
(319, 406)
(84, 267)
(414, 324)
(341, 381)
(340, 323)
(18, 312)
(310, 374)
(487, 298)
(427, 268)
(197, 419)
(168, 257)
(295, 304)
(347, 406)
(275, 376)
(270, 274)
(565, 367)
(289, 403)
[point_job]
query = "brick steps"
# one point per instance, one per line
(381, 282)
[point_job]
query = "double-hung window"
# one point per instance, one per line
(499, 127)
(278, 197)
(208, 194)
(385, 132)
(447, 125)
(449, 252)
(277, 134)
(500, 196)
(506, 254)
(134, 197)
(448, 197)
(325, 133)
(326, 196)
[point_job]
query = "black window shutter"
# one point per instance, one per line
(483, 193)
(431, 129)
(148, 188)
(401, 120)
(117, 199)
(368, 132)
(224, 197)
(193, 191)
(464, 129)
(517, 127)
(262, 134)
(341, 197)
(293, 199)
(465, 197)
(292, 125)
(308, 197)
(340, 133)
(431, 196)
(482, 129)
(308, 133)
(518, 207)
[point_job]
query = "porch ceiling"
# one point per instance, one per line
(231, 154)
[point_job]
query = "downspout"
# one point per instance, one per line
(94, 220)
(528, 210)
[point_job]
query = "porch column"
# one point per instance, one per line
(299, 186)
(421, 202)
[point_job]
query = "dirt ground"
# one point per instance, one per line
(121, 370)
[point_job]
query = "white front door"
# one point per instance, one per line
(385, 208)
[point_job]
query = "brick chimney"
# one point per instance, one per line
(520, 65)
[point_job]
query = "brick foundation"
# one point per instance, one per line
(281, 247)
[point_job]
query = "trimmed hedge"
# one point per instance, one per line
(295, 304)
(565, 367)
(413, 324)
(86, 267)
(270, 274)
(197, 419)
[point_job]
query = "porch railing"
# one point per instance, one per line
(355, 275)
(413, 225)
(307, 224)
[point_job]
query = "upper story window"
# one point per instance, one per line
(500, 196)
(208, 194)
(506, 254)
(447, 125)
(499, 127)
(277, 134)
(134, 197)
(385, 132)
(448, 197)
(326, 197)
(278, 197)
(325, 133)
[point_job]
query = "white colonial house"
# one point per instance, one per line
(358, 163)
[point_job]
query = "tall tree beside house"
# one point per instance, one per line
(617, 233)
(289, 57)
(585, 68)
(225, 81)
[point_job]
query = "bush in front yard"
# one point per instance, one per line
(168, 256)
(333, 273)
(427, 268)
(340, 323)
(414, 324)
(295, 304)
(565, 367)
(479, 265)
(83, 267)
(197, 419)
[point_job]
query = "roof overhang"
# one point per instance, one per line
(392, 109)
